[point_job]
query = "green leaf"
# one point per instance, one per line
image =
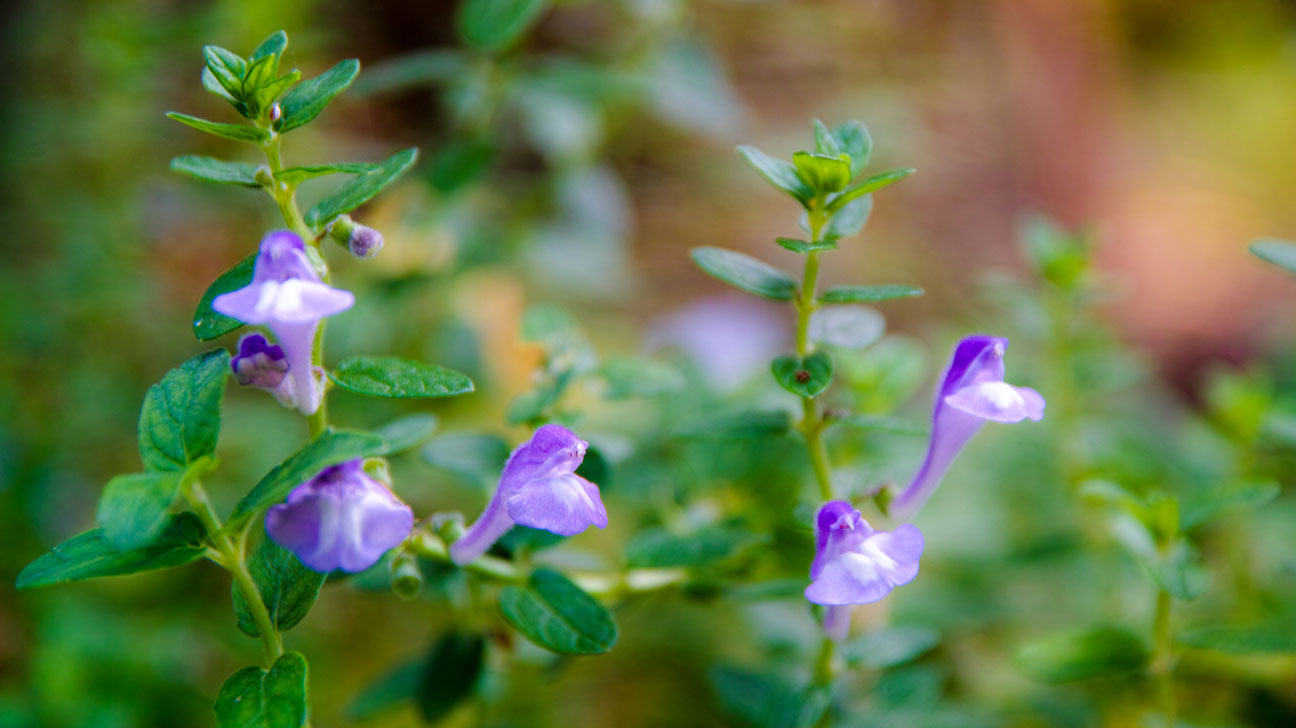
(1199, 508)
(226, 66)
(267, 93)
(881, 423)
(91, 554)
(494, 25)
(1101, 652)
(327, 449)
(557, 615)
(237, 132)
(259, 73)
(849, 327)
(868, 186)
(824, 174)
(450, 674)
(390, 690)
(849, 219)
(806, 377)
(294, 176)
(865, 294)
(1276, 637)
(272, 46)
(746, 273)
(361, 189)
(211, 169)
(308, 99)
(852, 138)
(180, 419)
(473, 457)
(825, 142)
(803, 246)
(767, 701)
(412, 69)
(1182, 573)
(1278, 252)
(638, 377)
(657, 547)
(740, 425)
(208, 324)
(524, 539)
(890, 646)
(781, 174)
(133, 508)
(408, 432)
(396, 377)
(256, 698)
(213, 84)
(287, 587)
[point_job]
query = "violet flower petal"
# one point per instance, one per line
(854, 564)
(837, 622)
(538, 488)
(340, 519)
(972, 392)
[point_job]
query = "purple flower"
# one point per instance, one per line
(261, 364)
(731, 339)
(855, 564)
(972, 393)
(539, 488)
(340, 519)
(287, 295)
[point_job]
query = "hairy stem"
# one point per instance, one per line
(812, 422)
(1163, 657)
(233, 558)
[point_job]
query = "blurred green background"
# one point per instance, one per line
(578, 168)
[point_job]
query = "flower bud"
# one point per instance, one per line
(361, 241)
(264, 177)
(406, 579)
(276, 111)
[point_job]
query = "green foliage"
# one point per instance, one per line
(180, 420)
(865, 294)
(210, 169)
(851, 138)
(257, 698)
(393, 376)
(207, 323)
(1082, 655)
(294, 176)
(781, 174)
(1201, 507)
(329, 448)
(302, 104)
(91, 554)
(408, 432)
(890, 646)
(882, 423)
(236, 132)
(475, 458)
(288, 588)
(806, 377)
(1274, 637)
(1278, 252)
(746, 273)
(360, 189)
(739, 425)
(557, 615)
(764, 700)
(656, 547)
(870, 185)
(638, 377)
(450, 674)
(133, 508)
(825, 174)
(804, 246)
(848, 327)
(494, 25)
(849, 219)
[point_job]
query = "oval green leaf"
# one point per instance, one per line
(91, 554)
(746, 273)
(308, 99)
(237, 132)
(1101, 652)
(557, 615)
(180, 420)
(781, 174)
(361, 189)
(494, 25)
(865, 294)
(1278, 252)
(393, 376)
(328, 448)
(133, 508)
(806, 377)
(207, 323)
(210, 169)
(287, 587)
(256, 698)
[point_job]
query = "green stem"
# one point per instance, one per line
(1163, 657)
(812, 422)
(824, 674)
(233, 558)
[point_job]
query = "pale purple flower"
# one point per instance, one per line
(287, 295)
(261, 364)
(971, 393)
(340, 519)
(855, 564)
(539, 488)
(730, 338)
